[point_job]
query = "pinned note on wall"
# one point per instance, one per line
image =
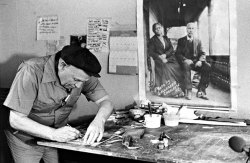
(123, 55)
(48, 28)
(98, 34)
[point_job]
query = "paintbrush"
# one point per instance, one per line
(149, 109)
(179, 109)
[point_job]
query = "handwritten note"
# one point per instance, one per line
(98, 34)
(48, 28)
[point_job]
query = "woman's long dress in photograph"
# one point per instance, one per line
(168, 76)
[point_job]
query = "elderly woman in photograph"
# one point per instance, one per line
(168, 75)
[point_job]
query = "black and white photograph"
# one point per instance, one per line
(189, 46)
(138, 81)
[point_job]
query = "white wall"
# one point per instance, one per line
(243, 58)
(18, 38)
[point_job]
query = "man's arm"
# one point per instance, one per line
(201, 52)
(105, 110)
(21, 122)
(94, 91)
(96, 128)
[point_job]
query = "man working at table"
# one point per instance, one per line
(42, 96)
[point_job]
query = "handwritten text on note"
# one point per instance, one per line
(48, 28)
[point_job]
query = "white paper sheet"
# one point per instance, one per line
(48, 28)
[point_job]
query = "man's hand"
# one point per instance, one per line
(65, 134)
(20, 121)
(96, 128)
(94, 132)
(198, 64)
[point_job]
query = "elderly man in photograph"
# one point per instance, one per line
(191, 56)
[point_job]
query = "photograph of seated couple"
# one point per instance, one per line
(172, 68)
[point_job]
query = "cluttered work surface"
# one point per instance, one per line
(185, 142)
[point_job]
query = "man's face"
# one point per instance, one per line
(191, 29)
(70, 76)
(158, 30)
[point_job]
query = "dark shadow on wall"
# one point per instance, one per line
(8, 68)
(5, 155)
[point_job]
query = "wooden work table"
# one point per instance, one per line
(191, 143)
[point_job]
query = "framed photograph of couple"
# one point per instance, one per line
(187, 52)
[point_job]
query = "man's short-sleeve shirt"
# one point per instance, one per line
(36, 92)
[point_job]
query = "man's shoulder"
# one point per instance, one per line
(37, 62)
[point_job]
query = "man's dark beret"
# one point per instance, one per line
(81, 58)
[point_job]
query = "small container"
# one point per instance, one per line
(171, 119)
(152, 121)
